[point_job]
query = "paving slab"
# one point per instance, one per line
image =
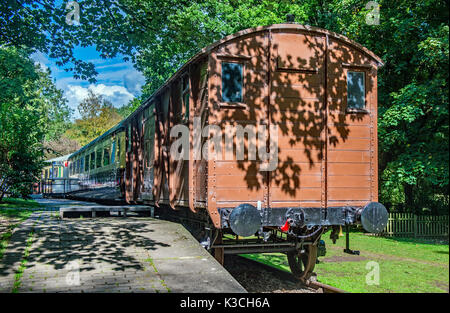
(112, 254)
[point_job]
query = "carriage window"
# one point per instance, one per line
(232, 78)
(356, 94)
(105, 156)
(113, 150)
(78, 166)
(98, 160)
(92, 160)
(86, 163)
(118, 146)
(81, 164)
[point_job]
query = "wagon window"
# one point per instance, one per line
(356, 94)
(86, 163)
(82, 164)
(118, 146)
(113, 150)
(98, 160)
(92, 160)
(105, 156)
(232, 78)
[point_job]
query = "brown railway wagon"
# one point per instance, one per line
(316, 89)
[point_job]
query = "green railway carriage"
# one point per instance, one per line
(100, 163)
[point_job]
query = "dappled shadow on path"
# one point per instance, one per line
(116, 244)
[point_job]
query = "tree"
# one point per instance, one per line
(63, 145)
(126, 109)
(21, 130)
(97, 116)
(31, 110)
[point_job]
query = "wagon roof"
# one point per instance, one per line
(291, 26)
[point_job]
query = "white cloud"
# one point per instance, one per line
(134, 81)
(41, 59)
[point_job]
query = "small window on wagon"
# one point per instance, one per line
(98, 159)
(92, 162)
(86, 163)
(356, 93)
(105, 156)
(113, 150)
(232, 82)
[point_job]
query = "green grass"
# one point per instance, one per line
(20, 214)
(406, 265)
(19, 203)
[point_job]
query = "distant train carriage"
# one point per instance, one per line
(320, 91)
(54, 177)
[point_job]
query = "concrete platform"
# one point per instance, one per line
(110, 255)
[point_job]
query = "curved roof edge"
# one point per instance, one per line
(290, 26)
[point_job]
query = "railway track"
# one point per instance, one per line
(258, 277)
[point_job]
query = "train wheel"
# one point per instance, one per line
(302, 263)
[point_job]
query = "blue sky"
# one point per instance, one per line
(117, 81)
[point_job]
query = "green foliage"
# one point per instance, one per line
(129, 108)
(12, 204)
(21, 130)
(97, 116)
(31, 108)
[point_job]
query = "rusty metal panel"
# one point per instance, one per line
(240, 181)
(149, 152)
(351, 140)
(199, 168)
(297, 107)
(158, 147)
(178, 169)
